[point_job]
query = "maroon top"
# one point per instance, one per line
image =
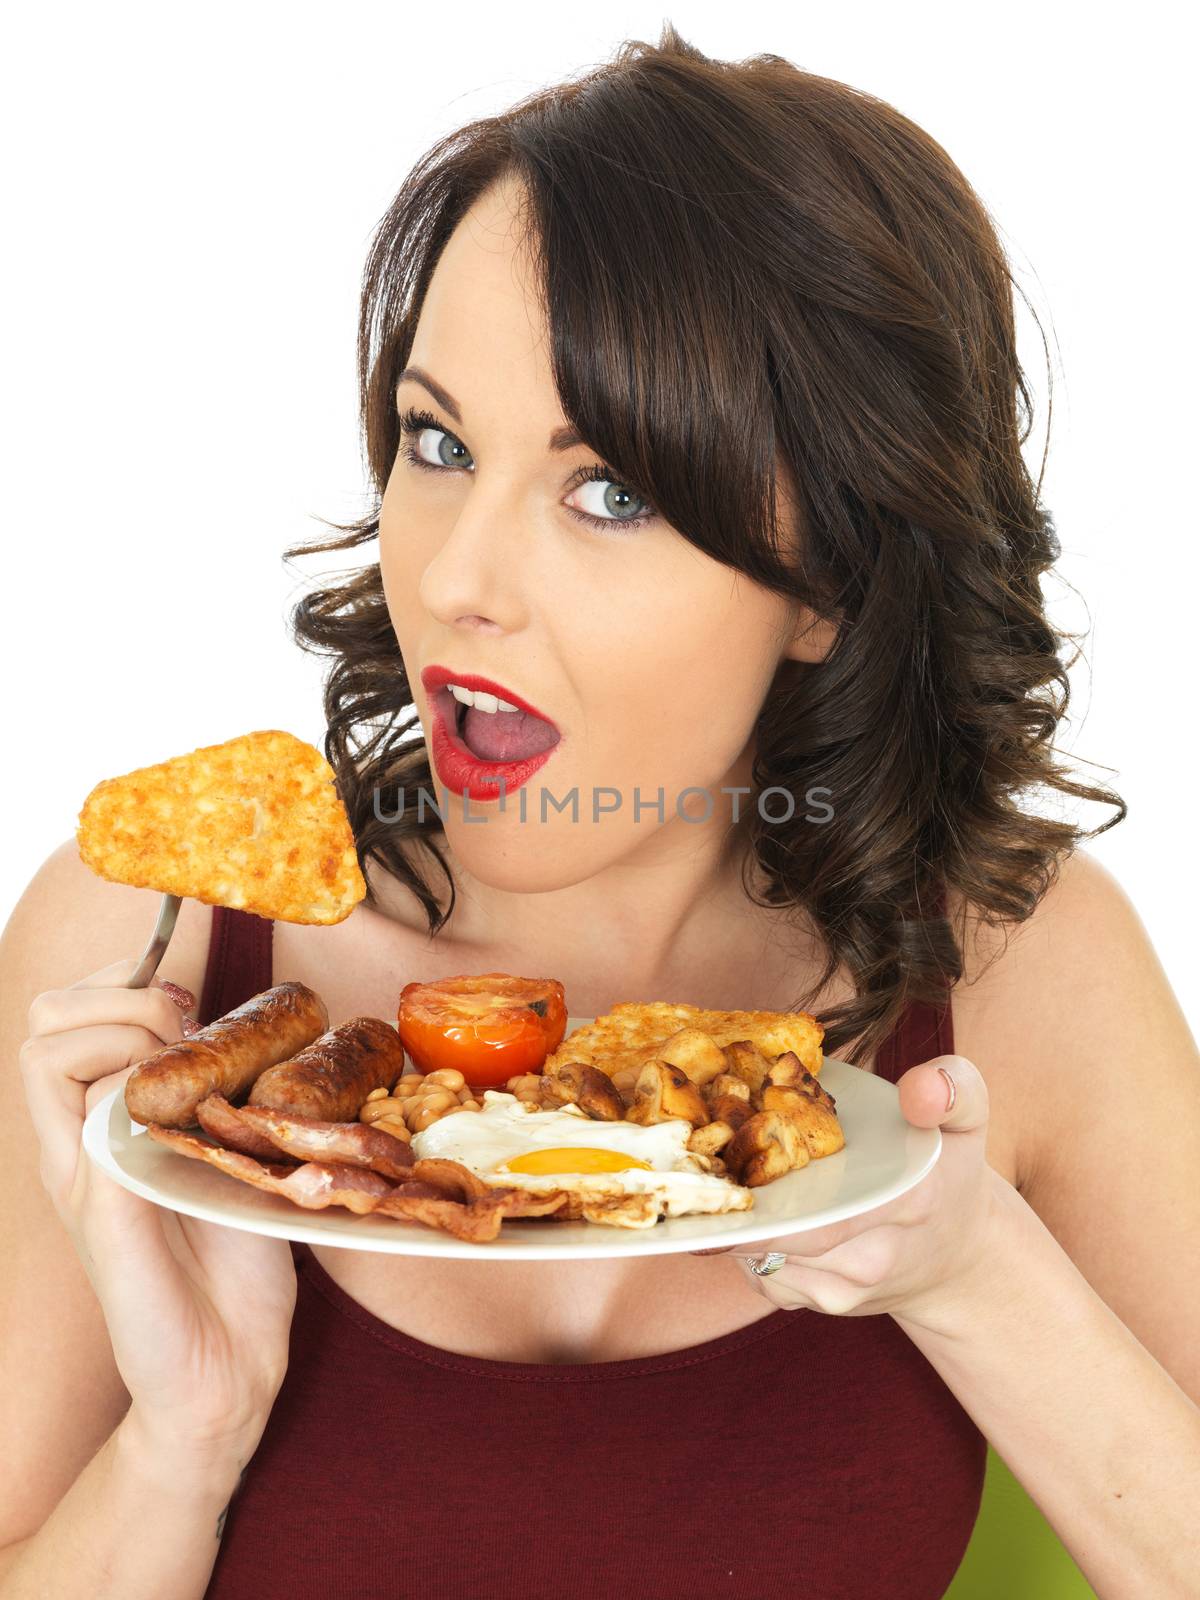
(803, 1456)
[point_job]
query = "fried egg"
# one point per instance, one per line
(511, 1144)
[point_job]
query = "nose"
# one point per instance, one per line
(473, 580)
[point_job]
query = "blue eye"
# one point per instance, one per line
(611, 499)
(447, 452)
(415, 423)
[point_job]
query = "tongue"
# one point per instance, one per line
(506, 735)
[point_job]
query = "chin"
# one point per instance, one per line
(526, 858)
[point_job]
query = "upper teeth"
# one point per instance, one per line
(478, 699)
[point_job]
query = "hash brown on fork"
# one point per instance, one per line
(255, 823)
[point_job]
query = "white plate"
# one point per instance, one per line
(884, 1156)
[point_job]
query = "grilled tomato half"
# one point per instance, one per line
(490, 1026)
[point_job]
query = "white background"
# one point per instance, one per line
(189, 197)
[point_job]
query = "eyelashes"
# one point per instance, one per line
(414, 422)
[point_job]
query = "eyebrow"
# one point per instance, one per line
(564, 438)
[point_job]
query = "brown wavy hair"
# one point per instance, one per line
(747, 266)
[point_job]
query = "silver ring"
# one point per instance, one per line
(953, 1089)
(766, 1264)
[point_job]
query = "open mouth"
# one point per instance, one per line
(496, 736)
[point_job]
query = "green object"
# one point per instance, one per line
(1014, 1553)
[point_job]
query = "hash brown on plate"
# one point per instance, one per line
(632, 1033)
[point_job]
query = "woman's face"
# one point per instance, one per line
(651, 659)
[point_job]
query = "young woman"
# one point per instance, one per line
(691, 395)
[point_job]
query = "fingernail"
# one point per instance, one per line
(182, 997)
(189, 1027)
(953, 1095)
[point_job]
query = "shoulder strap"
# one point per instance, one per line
(925, 1029)
(239, 961)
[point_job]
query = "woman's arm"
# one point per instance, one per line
(1069, 1336)
(1076, 1352)
(126, 1523)
(1087, 1054)
(91, 1503)
(138, 1523)
(61, 1395)
(1099, 1433)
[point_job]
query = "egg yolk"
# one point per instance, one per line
(580, 1159)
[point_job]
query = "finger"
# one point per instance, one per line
(116, 1227)
(58, 1122)
(947, 1092)
(796, 1288)
(82, 1055)
(66, 1010)
(115, 976)
(789, 1247)
(815, 1243)
(122, 1242)
(183, 998)
(862, 1261)
(56, 1072)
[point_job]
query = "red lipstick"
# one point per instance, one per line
(463, 772)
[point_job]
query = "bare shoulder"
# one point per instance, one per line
(1093, 1071)
(1084, 907)
(1072, 1001)
(1068, 998)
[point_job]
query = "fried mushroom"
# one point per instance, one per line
(764, 1148)
(663, 1092)
(694, 1052)
(787, 1069)
(744, 1060)
(811, 1112)
(709, 1139)
(591, 1090)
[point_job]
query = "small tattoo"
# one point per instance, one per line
(221, 1518)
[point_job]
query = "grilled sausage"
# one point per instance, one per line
(226, 1056)
(332, 1077)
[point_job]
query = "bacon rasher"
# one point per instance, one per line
(228, 1126)
(259, 1131)
(439, 1193)
(314, 1185)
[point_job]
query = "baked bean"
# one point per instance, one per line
(425, 1116)
(436, 1100)
(373, 1110)
(439, 1098)
(377, 1094)
(446, 1078)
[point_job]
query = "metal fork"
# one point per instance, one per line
(163, 929)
